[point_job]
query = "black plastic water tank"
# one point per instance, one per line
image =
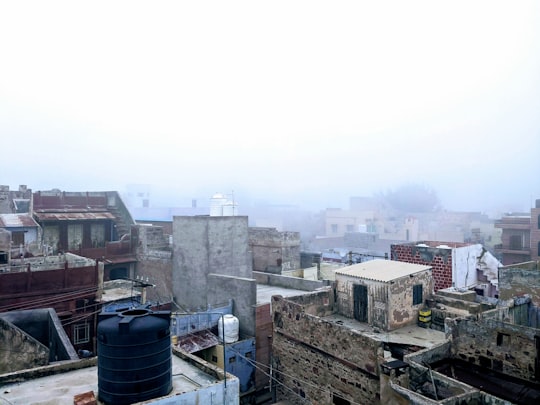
(134, 356)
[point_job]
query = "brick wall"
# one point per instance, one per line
(263, 345)
(440, 261)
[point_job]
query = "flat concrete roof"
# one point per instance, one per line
(265, 292)
(409, 335)
(382, 270)
(60, 388)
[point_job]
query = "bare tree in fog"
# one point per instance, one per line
(411, 198)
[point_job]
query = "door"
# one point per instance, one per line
(360, 297)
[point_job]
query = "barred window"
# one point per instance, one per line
(81, 333)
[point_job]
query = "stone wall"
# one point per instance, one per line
(520, 279)
(505, 348)
(19, 350)
(270, 247)
(317, 358)
(312, 376)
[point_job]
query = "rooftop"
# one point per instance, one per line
(382, 270)
(265, 292)
(61, 386)
(409, 335)
(17, 220)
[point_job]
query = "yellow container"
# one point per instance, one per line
(424, 312)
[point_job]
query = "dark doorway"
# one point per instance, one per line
(360, 296)
(118, 273)
(337, 400)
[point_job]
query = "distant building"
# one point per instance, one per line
(520, 239)
(96, 225)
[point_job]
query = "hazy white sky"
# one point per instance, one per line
(285, 101)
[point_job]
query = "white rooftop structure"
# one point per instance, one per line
(382, 270)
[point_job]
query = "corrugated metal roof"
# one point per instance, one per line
(197, 341)
(73, 216)
(17, 221)
(382, 270)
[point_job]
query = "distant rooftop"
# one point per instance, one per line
(437, 244)
(382, 270)
(17, 221)
(265, 292)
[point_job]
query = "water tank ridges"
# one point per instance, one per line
(228, 328)
(134, 356)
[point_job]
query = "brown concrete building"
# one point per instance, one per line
(68, 283)
(520, 239)
(90, 224)
(515, 246)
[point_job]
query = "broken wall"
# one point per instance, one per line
(519, 280)
(502, 347)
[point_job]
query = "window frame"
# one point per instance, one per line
(418, 293)
(81, 329)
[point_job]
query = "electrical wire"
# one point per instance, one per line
(42, 302)
(258, 365)
(273, 378)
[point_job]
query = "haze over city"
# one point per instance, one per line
(303, 103)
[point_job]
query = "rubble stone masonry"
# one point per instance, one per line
(317, 360)
(499, 346)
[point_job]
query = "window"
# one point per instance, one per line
(17, 237)
(516, 242)
(538, 221)
(503, 339)
(334, 228)
(350, 228)
(417, 294)
(81, 333)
